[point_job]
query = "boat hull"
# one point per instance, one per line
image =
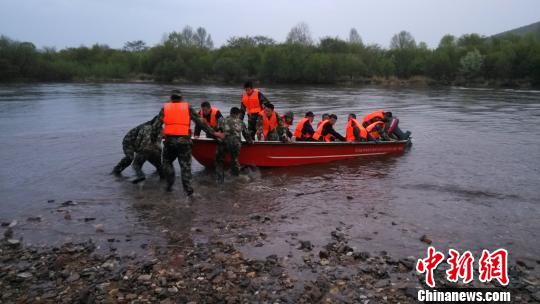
(277, 154)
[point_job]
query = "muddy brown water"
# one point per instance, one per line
(470, 181)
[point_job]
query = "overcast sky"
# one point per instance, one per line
(69, 23)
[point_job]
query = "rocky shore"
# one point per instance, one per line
(218, 272)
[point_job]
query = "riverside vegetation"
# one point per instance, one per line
(189, 56)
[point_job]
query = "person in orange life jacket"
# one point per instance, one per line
(372, 117)
(391, 124)
(288, 119)
(326, 132)
(304, 130)
(253, 102)
(176, 116)
(210, 115)
(377, 131)
(270, 125)
(325, 117)
(354, 131)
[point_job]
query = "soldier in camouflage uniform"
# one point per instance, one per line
(180, 147)
(233, 128)
(140, 144)
(149, 149)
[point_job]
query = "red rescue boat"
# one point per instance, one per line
(277, 154)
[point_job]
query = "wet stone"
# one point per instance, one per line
(323, 254)
(524, 264)
(144, 277)
(14, 243)
(381, 283)
(8, 233)
(68, 203)
(409, 264)
(424, 238)
(306, 246)
(24, 275)
(74, 277)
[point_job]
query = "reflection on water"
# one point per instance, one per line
(469, 181)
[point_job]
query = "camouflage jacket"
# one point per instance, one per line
(280, 128)
(147, 139)
(195, 117)
(233, 128)
(142, 137)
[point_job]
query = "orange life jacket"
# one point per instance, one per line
(269, 124)
(213, 117)
(350, 130)
(319, 131)
(176, 119)
(252, 102)
(320, 122)
(299, 127)
(372, 117)
(371, 129)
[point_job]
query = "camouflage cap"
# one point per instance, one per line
(176, 92)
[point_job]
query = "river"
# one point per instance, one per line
(470, 180)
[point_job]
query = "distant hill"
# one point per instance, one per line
(524, 30)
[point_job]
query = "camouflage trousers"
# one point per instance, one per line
(137, 160)
(271, 136)
(151, 155)
(227, 146)
(173, 149)
(252, 125)
(129, 156)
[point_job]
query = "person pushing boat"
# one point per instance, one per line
(233, 128)
(176, 116)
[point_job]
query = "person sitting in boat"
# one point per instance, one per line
(233, 128)
(325, 117)
(325, 132)
(288, 119)
(253, 103)
(304, 130)
(377, 132)
(209, 115)
(269, 125)
(354, 131)
(390, 124)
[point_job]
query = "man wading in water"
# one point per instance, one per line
(176, 116)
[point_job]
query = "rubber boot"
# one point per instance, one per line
(139, 174)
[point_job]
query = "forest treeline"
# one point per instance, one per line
(189, 55)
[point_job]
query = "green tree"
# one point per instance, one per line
(471, 64)
(402, 41)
